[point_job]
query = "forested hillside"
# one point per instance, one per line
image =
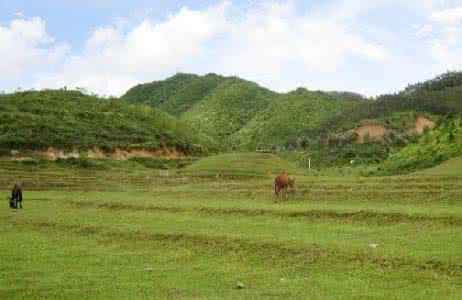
(404, 121)
(441, 95)
(288, 116)
(176, 94)
(239, 114)
(195, 114)
(228, 108)
(72, 120)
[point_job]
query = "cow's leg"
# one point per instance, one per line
(277, 190)
(20, 199)
(13, 199)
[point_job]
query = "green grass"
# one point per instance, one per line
(451, 167)
(242, 164)
(126, 232)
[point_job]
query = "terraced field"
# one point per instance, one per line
(131, 232)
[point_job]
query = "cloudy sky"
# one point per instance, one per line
(107, 46)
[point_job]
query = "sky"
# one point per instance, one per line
(107, 46)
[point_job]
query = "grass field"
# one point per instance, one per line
(126, 232)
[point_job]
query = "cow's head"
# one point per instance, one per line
(292, 184)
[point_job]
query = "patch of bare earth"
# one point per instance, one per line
(421, 123)
(370, 133)
(94, 153)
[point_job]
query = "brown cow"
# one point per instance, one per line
(282, 182)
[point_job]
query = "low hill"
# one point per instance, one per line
(71, 120)
(241, 165)
(451, 167)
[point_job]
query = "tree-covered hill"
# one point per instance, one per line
(72, 120)
(228, 108)
(240, 114)
(176, 94)
(288, 116)
(441, 95)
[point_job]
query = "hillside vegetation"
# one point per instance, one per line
(288, 116)
(239, 114)
(441, 95)
(401, 118)
(228, 108)
(176, 94)
(431, 148)
(72, 120)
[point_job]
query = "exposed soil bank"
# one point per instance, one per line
(118, 153)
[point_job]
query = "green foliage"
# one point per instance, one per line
(440, 82)
(441, 95)
(431, 148)
(228, 108)
(352, 155)
(239, 114)
(289, 116)
(176, 94)
(71, 120)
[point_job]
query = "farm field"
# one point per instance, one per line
(213, 230)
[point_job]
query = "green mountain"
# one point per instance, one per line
(334, 128)
(72, 120)
(228, 108)
(239, 114)
(176, 94)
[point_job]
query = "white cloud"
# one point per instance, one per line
(260, 42)
(25, 47)
(451, 15)
(273, 38)
(443, 35)
(114, 60)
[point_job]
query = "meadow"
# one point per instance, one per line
(213, 230)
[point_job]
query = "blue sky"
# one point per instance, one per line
(371, 47)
